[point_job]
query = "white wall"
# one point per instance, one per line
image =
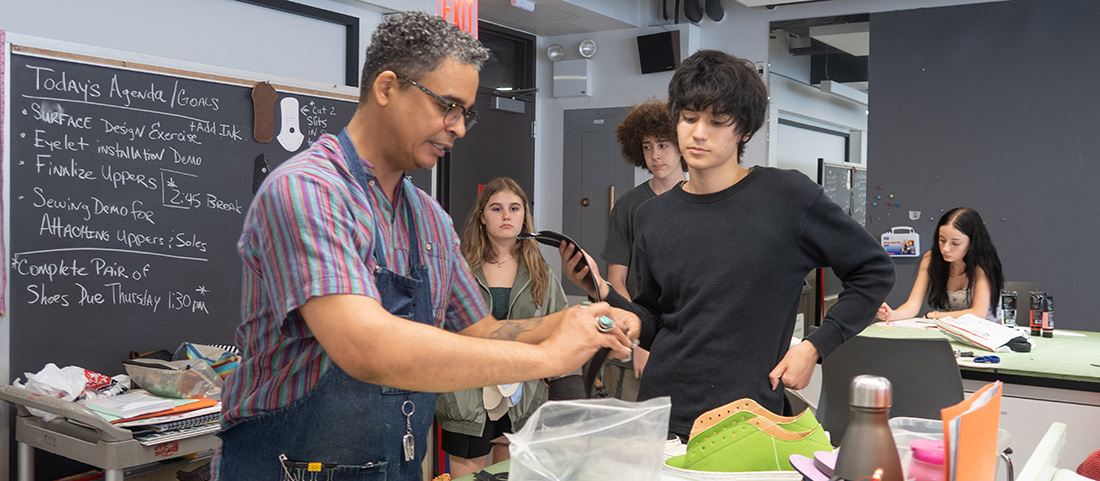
(618, 82)
(225, 33)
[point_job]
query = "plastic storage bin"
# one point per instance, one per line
(906, 430)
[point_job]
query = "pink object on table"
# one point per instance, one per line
(806, 467)
(825, 461)
(927, 462)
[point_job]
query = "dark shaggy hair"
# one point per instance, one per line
(415, 43)
(724, 84)
(981, 253)
(648, 119)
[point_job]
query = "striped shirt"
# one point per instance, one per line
(310, 232)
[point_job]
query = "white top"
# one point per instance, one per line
(957, 301)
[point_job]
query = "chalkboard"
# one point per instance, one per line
(845, 184)
(128, 189)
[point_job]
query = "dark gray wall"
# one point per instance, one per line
(994, 106)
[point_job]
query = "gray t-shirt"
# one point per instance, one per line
(619, 247)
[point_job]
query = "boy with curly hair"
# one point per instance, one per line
(647, 137)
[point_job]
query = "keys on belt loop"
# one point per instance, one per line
(407, 443)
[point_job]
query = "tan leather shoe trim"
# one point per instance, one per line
(776, 431)
(764, 425)
(708, 419)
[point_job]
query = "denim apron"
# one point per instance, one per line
(355, 429)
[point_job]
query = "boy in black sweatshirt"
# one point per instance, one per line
(721, 258)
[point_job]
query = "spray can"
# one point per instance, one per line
(1008, 308)
(1036, 312)
(1048, 316)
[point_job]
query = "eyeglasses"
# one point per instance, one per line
(452, 113)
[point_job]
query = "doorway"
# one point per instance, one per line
(594, 175)
(502, 144)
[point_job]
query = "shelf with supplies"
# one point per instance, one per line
(94, 441)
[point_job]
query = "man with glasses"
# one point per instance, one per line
(352, 278)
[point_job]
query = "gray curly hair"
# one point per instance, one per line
(415, 43)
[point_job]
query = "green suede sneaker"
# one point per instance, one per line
(745, 441)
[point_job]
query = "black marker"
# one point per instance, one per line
(1036, 319)
(1048, 316)
(1008, 308)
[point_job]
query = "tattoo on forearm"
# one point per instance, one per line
(510, 329)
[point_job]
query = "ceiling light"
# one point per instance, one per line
(524, 4)
(555, 52)
(844, 91)
(587, 48)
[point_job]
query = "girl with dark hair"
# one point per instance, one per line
(517, 283)
(963, 276)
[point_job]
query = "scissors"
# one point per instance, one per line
(989, 359)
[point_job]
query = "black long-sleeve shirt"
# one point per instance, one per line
(719, 279)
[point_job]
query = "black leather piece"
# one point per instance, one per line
(1019, 344)
(260, 169)
(714, 10)
(692, 11)
(595, 365)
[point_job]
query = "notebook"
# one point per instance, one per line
(170, 416)
(185, 423)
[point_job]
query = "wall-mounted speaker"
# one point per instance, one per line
(659, 52)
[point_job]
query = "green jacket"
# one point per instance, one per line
(463, 412)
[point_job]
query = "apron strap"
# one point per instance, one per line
(355, 165)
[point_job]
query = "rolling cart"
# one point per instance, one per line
(102, 445)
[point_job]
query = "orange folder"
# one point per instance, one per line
(199, 404)
(971, 454)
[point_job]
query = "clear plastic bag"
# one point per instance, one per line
(591, 439)
(189, 378)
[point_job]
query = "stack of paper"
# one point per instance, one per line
(130, 404)
(182, 407)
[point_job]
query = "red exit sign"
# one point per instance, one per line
(460, 12)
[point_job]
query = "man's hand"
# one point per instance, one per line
(627, 321)
(578, 337)
(571, 258)
(797, 366)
